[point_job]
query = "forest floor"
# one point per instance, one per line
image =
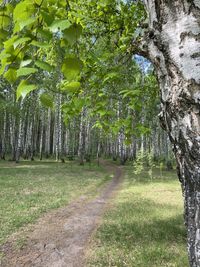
(143, 226)
(60, 238)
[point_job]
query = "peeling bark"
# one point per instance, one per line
(174, 48)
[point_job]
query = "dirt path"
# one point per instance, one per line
(59, 238)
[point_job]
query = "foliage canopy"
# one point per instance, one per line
(81, 49)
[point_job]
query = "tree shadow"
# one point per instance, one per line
(162, 230)
(138, 227)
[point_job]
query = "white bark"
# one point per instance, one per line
(81, 147)
(12, 123)
(20, 132)
(41, 134)
(174, 48)
(48, 134)
(3, 141)
(58, 127)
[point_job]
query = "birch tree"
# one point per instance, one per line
(173, 45)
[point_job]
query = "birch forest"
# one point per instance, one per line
(34, 128)
(111, 89)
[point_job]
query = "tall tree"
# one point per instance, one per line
(173, 45)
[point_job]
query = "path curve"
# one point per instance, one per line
(60, 238)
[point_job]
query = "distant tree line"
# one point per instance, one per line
(30, 129)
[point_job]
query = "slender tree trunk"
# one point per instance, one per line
(114, 148)
(58, 128)
(25, 151)
(66, 142)
(48, 134)
(154, 137)
(174, 48)
(33, 125)
(132, 149)
(99, 147)
(81, 147)
(122, 148)
(34, 135)
(3, 136)
(19, 137)
(12, 124)
(87, 140)
(42, 133)
(121, 138)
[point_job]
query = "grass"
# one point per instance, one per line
(29, 189)
(144, 227)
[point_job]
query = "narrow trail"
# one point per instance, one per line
(60, 238)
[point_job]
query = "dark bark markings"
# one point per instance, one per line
(173, 47)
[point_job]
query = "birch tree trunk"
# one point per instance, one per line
(42, 134)
(66, 142)
(3, 137)
(20, 133)
(48, 134)
(87, 140)
(122, 148)
(58, 128)
(81, 147)
(174, 48)
(12, 123)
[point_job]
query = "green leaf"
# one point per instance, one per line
(4, 20)
(3, 34)
(59, 25)
(40, 44)
(97, 125)
(111, 76)
(25, 71)
(142, 129)
(39, 2)
(21, 41)
(72, 33)
(71, 68)
(44, 65)
(10, 42)
(48, 18)
(9, 8)
(25, 63)
(130, 93)
(26, 22)
(3, 55)
(24, 88)
(23, 11)
(46, 100)
(47, 35)
(11, 75)
(102, 112)
(71, 87)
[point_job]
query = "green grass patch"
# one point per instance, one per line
(29, 189)
(144, 227)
